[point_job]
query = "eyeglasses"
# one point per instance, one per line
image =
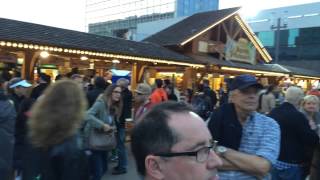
(202, 154)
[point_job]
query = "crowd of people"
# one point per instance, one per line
(72, 128)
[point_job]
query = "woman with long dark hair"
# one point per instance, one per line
(102, 116)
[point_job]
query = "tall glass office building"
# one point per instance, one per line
(119, 18)
(294, 44)
(298, 28)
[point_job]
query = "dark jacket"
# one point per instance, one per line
(21, 131)
(7, 121)
(210, 93)
(38, 90)
(172, 97)
(93, 94)
(22, 118)
(315, 165)
(16, 101)
(296, 133)
(65, 161)
(225, 126)
(126, 110)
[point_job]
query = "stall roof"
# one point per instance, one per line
(273, 68)
(301, 71)
(181, 31)
(24, 32)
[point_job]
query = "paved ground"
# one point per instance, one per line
(130, 175)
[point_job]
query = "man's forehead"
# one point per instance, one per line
(189, 128)
(183, 117)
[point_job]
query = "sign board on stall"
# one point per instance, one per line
(241, 50)
(203, 46)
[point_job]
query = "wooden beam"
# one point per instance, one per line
(236, 33)
(221, 55)
(219, 32)
(225, 29)
(231, 25)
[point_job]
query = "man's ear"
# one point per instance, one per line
(154, 167)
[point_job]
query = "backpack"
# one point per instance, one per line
(202, 106)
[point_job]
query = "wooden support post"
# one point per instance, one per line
(30, 59)
(134, 76)
(309, 85)
(140, 72)
(189, 78)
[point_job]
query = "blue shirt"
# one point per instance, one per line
(260, 137)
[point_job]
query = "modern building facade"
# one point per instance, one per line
(189, 7)
(119, 18)
(291, 34)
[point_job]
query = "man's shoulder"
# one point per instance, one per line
(225, 108)
(265, 120)
(289, 109)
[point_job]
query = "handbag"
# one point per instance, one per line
(101, 140)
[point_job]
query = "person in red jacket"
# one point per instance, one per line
(159, 94)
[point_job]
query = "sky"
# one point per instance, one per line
(70, 14)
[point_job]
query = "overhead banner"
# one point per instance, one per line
(241, 50)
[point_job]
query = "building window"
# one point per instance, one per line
(267, 38)
(293, 34)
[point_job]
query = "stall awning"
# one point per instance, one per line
(266, 69)
(24, 35)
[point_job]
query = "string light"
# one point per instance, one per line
(100, 54)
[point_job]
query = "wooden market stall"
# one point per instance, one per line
(57, 50)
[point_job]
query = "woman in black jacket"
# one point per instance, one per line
(54, 123)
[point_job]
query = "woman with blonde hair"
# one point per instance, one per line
(54, 123)
(102, 116)
(310, 108)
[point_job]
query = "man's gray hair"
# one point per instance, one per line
(294, 95)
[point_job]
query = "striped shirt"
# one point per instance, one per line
(260, 137)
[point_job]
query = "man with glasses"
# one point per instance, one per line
(172, 142)
(249, 142)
